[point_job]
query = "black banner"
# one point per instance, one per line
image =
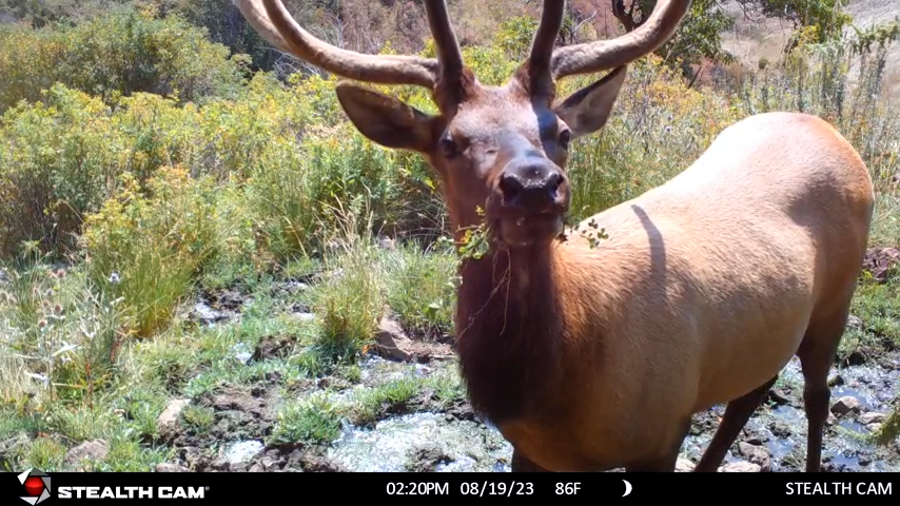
(35, 487)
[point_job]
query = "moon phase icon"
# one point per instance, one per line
(627, 488)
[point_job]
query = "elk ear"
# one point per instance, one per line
(587, 110)
(386, 120)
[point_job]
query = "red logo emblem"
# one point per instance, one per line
(37, 486)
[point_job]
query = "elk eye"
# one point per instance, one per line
(448, 147)
(564, 138)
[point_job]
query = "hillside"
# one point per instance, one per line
(754, 38)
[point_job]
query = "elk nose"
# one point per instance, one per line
(533, 187)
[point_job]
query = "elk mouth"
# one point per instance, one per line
(531, 229)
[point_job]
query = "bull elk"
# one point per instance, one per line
(593, 357)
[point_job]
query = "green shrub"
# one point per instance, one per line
(56, 161)
(117, 54)
(148, 250)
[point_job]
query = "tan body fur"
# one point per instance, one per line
(591, 358)
(703, 291)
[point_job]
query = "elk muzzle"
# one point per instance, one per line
(531, 200)
(534, 188)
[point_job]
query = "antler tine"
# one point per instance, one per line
(449, 53)
(543, 44)
(607, 54)
(454, 80)
(272, 20)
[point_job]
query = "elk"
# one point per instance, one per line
(593, 357)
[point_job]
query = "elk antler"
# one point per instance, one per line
(272, 20)
(453, 81)
(541, 57)
(607, 54)
(547, 64)
(448, 51)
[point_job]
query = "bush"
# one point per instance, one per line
(56, 161)
(115, 55)
(61, 157)
(148, 250)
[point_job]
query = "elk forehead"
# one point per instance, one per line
(503, 120)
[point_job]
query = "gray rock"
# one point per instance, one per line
(684, 466)
(845, 405)
(740, 467)
(167, 467)
(242, 452)
(871, 417)
(207, 315)
(90, 450)
(304, 317)
(756, 455)
(391, 341)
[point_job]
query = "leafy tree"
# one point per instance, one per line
(226, 25)
(698, 37)
(819, 20)
(41, 13)
(117, 54)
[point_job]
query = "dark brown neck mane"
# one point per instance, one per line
(508, 329)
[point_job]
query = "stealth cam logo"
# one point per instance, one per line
(37, 486)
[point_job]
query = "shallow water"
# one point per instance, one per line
(433, 441)
(421, 439)
(242, 451)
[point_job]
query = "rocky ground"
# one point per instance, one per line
(453, 440)
(250, 403)
(416, 438)
(416, 429)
